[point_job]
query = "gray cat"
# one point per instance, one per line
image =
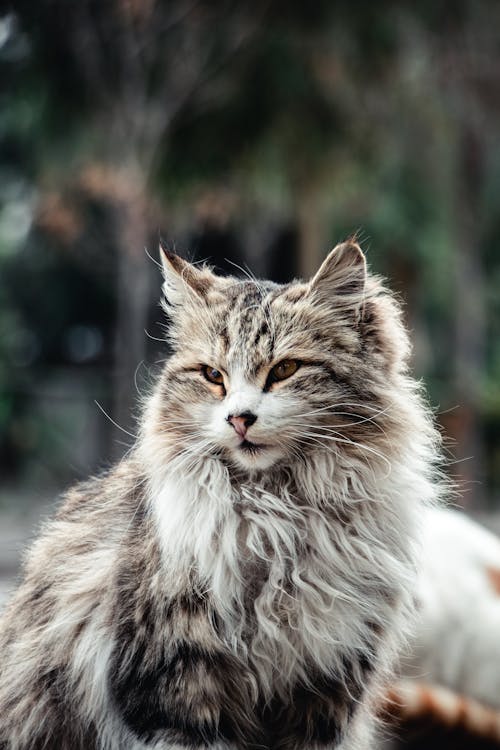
(242, 578)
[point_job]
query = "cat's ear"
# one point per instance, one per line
(183, 280)
(341, 278)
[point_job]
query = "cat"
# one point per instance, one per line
(426, 715)
(243, 577)
(456, 641)
(448, 694)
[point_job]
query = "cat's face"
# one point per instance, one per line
(262, 374)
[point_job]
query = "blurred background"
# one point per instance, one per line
(250, 133)
(256, 134)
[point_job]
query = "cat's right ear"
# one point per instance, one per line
(341, 278)
(183, 282)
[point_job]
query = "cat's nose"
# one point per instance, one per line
(241, 422)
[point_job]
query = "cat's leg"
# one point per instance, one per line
(184, 695)
(35, 712)
(329, 713)
(362, 733)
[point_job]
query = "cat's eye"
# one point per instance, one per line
(213, 375)
(283, 370)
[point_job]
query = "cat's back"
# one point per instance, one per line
(456, 641)
(84, 534)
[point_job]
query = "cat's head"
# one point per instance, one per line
(263, 374)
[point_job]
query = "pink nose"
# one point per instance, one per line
(241, 422)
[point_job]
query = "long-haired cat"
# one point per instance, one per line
(456, 641)
(428, 716)
(449, 692)
(242, 577)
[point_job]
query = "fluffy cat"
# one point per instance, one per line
(456, 641)
(428, 716)
(449, 692)
(242, 578)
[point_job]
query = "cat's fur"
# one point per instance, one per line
(428, 716)
(206, 594)
(456, 642)
(451, 674)
(449, 692)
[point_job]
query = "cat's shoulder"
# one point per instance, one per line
(90, 521)
(112, 490)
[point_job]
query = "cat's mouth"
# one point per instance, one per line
(255, 456)
(252, 448)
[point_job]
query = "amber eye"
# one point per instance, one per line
(213, 375)
(284, 369)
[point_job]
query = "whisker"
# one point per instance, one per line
(113, 421)
(154, 338)
(360, 420)
(347, 441)
(332, 407)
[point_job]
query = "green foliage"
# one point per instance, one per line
(387, 112)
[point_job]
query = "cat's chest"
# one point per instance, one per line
(288, 565)
(269, 558)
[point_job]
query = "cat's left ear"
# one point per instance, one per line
(341, 278)
(183, 280)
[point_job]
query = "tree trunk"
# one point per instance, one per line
(133, 301)
(469, 321)
(313, 241)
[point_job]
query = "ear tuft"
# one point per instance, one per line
(341, 278)
(183, 280)
(344, 268)
(170, 261)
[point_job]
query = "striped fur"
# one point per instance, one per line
(211, 591)
(430, 715)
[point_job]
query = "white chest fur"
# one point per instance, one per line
(311, 568)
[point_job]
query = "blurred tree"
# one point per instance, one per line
(320, 119)
(119, 74)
